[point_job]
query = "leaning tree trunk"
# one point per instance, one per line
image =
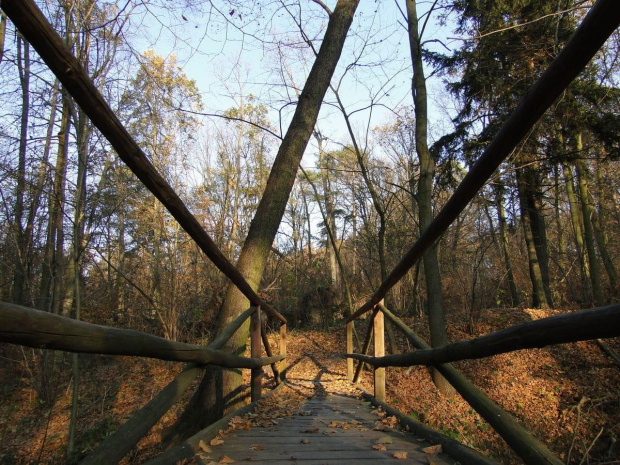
(424, 194)
(219, 390)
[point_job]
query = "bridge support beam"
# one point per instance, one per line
(350, 350)
(379, 346)
(255, 348)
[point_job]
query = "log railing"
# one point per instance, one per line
(38, 329)
(600, 22)
(589, 324)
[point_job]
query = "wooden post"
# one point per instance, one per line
(365, 346)
(350, 350)
(269, 352)
(379, 336)
(282, 347)
(255, 349)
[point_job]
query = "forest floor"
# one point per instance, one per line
(568, 396)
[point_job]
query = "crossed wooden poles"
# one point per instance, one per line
(21, 325)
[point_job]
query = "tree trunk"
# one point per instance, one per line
(539, 297)
(2, 33)
(503, 243)
(586, 211)
(599, 221)
(329, 217)
(219, 390)
(53, 263)
(20, 276)
(578, 232)
(534, 198)
(424, 194)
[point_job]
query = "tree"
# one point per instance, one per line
(155, 108)
(219, 388)
(424, 194)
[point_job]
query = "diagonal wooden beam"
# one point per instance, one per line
(33, 25)
(530, 449)
(125, 438)
(602, 20)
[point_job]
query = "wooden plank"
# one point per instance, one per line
(293, 438)
(455, 449)
(339, 461)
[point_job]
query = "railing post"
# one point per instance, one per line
(255, 350)
(350, 350)
(379, 337)
(282, 348)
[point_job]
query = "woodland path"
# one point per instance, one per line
(317, 418)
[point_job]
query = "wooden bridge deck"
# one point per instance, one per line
(331, 429)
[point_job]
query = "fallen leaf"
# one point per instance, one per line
(436, 449)
(384, 440)
(226, 459)
(380, 447)
(203, 447)
(400, 455)
(257, 447)
(216, 442)
(310, 430)
(305, 441)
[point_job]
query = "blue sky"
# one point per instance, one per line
(374, 68)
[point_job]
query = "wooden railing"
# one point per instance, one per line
(38, 329)
(589, 324)
(600, 22)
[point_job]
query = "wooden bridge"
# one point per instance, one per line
(315, 431)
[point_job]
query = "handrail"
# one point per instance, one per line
(125, 438)
(516, 436)
(600, 22)
(33, 25)
(39, 329)
(593, 323)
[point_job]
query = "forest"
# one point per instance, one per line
(314, 142)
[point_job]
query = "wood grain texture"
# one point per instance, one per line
(594, 323)
(35, 328)
(344, 433)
